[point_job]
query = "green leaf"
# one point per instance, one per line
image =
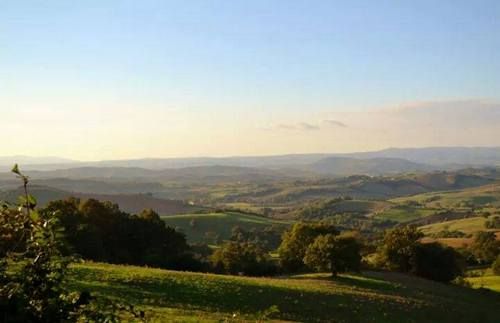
(34, 216)
(15, 170)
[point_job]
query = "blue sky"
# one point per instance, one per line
(218, 72)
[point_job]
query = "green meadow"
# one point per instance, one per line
(369, 297)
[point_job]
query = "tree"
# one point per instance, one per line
(100, 231)
(246, 258)
(296, 241)
(485, 247)
(398, 247)
(437, 262)
(332, 253)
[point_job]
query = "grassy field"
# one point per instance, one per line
(482, 196)
(371, 297)
(403, 213)
(468, 226)
(486, 280)
(196, 226)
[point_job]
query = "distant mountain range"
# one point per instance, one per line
(392, 160)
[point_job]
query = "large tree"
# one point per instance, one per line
(437, 262)
(335, 254)
(485, 247)
(296, 241)
(398, 247)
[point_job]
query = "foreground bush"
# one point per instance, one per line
(33, 291)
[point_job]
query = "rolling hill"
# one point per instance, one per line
(368, 297)
(131, 203)
(208, 227)
(444, 157)
(345, 166)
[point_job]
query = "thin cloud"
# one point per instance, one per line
(307, 126)
(301, 126)
(335, 123)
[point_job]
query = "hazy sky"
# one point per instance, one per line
(124, 79)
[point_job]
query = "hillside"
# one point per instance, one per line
(435, 207)
(344, 166)
(208, 227)
(371, 297)
(446, 157)
(131, 203)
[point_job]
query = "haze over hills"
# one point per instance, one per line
(427, 158)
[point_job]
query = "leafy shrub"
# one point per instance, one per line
(34, 291)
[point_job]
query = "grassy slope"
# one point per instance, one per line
(221, 223)
(486, 280)
(468, 225)
(373, 297)
(401, 213)
(480, 196)
(486, 197)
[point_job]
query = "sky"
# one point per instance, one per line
(120, 79)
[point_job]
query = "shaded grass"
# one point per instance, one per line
(373, 297)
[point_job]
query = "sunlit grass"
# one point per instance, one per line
(371, 297)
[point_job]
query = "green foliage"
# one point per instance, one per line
(296, 241)
(247, 258)
(100, 231)
(268, 238)
(398, 247)
(485, 247)
(34, 290)
(437, 262)
(335, 254)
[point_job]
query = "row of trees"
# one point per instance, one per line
(100, 231)
(401, 250)
(320, 247)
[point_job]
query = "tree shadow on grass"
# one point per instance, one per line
(240, 296)
(354, 299)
